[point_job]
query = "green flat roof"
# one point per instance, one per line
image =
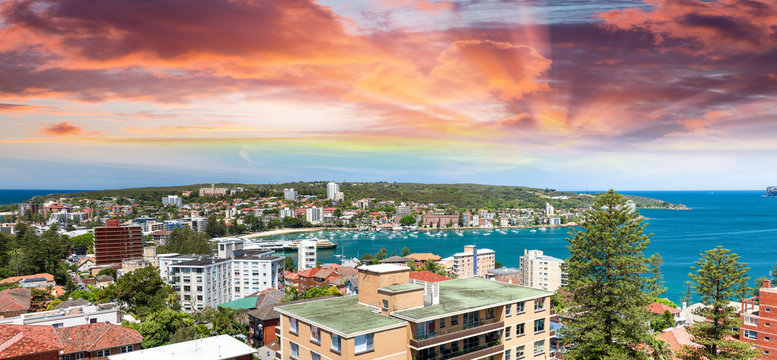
(343, 315)
(401, 287)
(244, 303)
(470, 293)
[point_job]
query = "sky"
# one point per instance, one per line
(566, 94)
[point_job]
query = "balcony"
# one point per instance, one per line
(475, 352)
(449, 333)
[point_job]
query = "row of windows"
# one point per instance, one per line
(539, 305)
(539, 349)
(539, 326)
(100, 353)
(362, 343)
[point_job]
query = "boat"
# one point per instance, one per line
(533, 230)
(543, 228)
(321, 244)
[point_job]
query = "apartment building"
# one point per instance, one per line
(208, 280)
(306, 255)
(759, 315)
(172, 200)
(70, 316)
(314, 215)
(468, 264)
(541, 271)
(290, 194)
(114, 243)
(393, 318)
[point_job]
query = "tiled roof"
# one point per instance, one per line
(309, 272)
(269, 296)
(97, 336)
(72, 302)
(18, 340)
(15, 299)
(676, 338)
(423, 257)
(14, 279)
(427, 276)
(659, 308)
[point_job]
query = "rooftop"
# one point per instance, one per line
(471, 293)
(401, 288)
(97, 336)
(19, 340)
(342, 315)
(504, 271)
(248, 302)
(214, 347)
(427, 276)
(383, 268)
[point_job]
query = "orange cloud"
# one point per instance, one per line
(64, 129)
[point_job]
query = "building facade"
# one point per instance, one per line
(473, 262)
(207, 281)
(759, 317)
(314, 215)
(306, 255)
(332, 188)
(541, 271)
(173, 200)
(392, 318)
(290, 194)
(114, 243)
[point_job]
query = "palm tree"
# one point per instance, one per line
(658, 349)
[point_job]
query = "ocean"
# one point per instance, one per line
(10, 196)
(743, 221)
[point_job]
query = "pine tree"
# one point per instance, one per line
(655, 281)
(719, 278)
(687, 293)
(605, 307)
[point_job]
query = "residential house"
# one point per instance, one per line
(659, 309)
(29, 342)
(396, 260)
(421, 258)
(41, 280)
(69, 316)
(14, 302)
(98, 340)
(505, 274)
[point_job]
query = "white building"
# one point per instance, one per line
(403, 210)
(172, 200)
(332, 189)
(223, 347)
(70, 316)
(285, 212)
(554, 220)
(542, 272)
(306, 255)
(549, 210)
(206, 281)
(314, 215)
(290, 194)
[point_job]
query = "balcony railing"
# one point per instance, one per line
(472, 352)
(428, 334)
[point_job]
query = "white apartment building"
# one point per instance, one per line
(70, 316)
(403, 210)
(550, 210)
(332, 189)
(290, 194)
(172, 200)
(542, 272)
(206, 280)
(314, 215)
(285, 212)
(306, 255)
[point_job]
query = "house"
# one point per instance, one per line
(41, 280)
(427, 276)
(397, 260)
(659, 309)
(70, 316)
(222, 347)
(86, 264)
(160, 237)
(676, 338)
(421, 258)
(393, 318)
(14, 302)
(98, 340)
(29, 342)
(102, 281)
(505, 274)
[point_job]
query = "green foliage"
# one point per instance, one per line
(321, 291)
(655, 279)
(292, 294)
(83, 244)
(108, 271)
(40, 298)
(184, 333)
(605, 309)
(405, 251)
(664, 301)
(718, 278)
(497, 265)
(687, 293)
(214, 227)
(53, 304)
(187, 241)
(663, 321)
(82, 294)
(288, 264)
(293, 222)
(408, 220)
(381, 254)
(773, 273)
(157, 327)
(757, 283)
(143, 291)
(43, 254)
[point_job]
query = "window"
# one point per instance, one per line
(519, 352)
(57, 325)
(103, 353)
(539, 304)
(293, 326)
(767, 310)
(519, 307)
(385, 304)
(519, 330)
(766, 352)
(490, 313)
(507, 333)
(314, 356)
(766, 338)
(294, 351)
(442, 323)
(454, 320)
(363, 343)
(539, 347)
(539, 326)
(508, 307)
(315, 334)
(336, 343)
(93, 321)
(126, 349)
(79, 356)
(508, 353)
(751, 321)
(750, 334)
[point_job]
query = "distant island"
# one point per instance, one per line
(771, 191)
(456, 195)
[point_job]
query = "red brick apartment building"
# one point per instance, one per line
(114, 243)
(759, 317)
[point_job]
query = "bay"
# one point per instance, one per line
(743, 221)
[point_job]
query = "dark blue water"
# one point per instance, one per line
(743, 221)
(10, 196)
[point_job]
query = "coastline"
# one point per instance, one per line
(262, 234)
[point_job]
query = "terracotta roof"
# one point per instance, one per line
(97, 336)
(394, 260)
(324, 273)
(309, 272)
(427, 276)
(15, 299)
(160, 233)
(18, 340)
(676, 338)
(14, 279)
(291, 276)
(423, 257)
(269, 296)
(659, 308)
(80, 262)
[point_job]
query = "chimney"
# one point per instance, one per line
(767, 284)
